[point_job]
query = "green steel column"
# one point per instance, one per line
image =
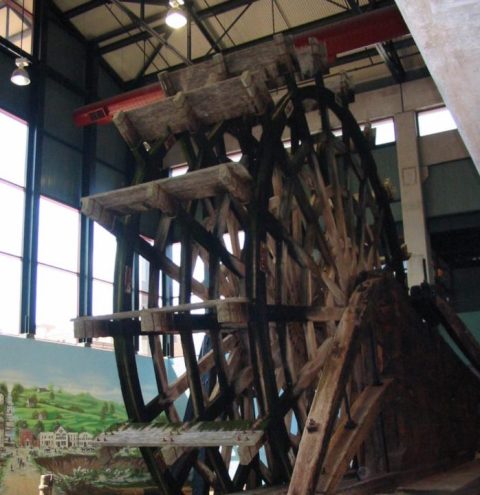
(32, 189)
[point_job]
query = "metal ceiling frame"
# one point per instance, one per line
(386, 50)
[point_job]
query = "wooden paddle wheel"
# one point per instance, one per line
(316, 372)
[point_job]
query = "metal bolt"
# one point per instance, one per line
(312, 425)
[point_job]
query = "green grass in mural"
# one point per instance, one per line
(42, 409)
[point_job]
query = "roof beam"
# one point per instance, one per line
(123, 29)
(200, 25)
(83, 8)
(129, 40)
(389, 55)
(221, 8)
(141, 24)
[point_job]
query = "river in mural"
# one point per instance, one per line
(54, 401)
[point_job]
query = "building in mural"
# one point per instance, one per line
(27, 438)
(2, 421)
(9, 421)
(62, 439)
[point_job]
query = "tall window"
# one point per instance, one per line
(104, 250)
(57, 270)
(16, 23)
(13, 143)
(384, 131)
(434, 121)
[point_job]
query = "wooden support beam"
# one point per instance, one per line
(459, 332)
(346, 441)
(325, 406)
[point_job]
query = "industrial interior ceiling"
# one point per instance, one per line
(136, 43)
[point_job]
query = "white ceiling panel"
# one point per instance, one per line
(126, 62)
(256, 22)
(65, 5)
(100, 20)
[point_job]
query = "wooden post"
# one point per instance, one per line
(46, 484)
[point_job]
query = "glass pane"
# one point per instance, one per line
(102, 298)
(143, 274)
(57, 304)
(434, 121)
(10, 294)
(17, 25)
(385, 131)
(144, 346)
(143, 282)
(199, 270)
(104, 251)
(12, 201)
(176, 257)
(13, 143)
(58, 235)
(102, 304)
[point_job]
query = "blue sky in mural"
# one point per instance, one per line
(74, 369)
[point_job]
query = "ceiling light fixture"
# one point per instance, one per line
(20, 75)
(176, 17)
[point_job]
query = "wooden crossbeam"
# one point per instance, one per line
(163, 194)
(189, 109)
(270, 58)
(230, 314)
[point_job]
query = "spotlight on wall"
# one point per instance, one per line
(176, 17)
(20, 75)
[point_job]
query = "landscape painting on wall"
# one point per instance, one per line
(54, 401)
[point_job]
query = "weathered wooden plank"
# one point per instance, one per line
(200, 434)
(162, 194)
(345, 442)
(246, 94)
(269, 58)
(323, 412)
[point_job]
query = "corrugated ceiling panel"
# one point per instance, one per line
(303, 11)
(149, 9)
(64, 5)
(122, 36)
(99, 21)
(255, 23)
(126, 62)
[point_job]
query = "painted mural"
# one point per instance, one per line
(54, 401)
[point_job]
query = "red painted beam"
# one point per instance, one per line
(356, 32)
(103, 111)
(359, 31)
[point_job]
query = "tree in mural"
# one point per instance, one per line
(17, 390)
(38, 427)
(3, 389)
